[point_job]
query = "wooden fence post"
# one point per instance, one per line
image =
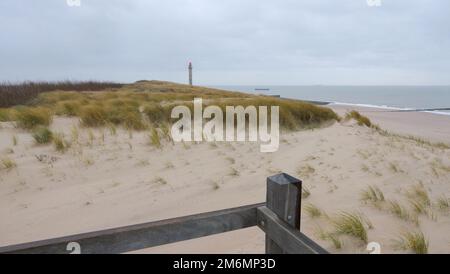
(284, 199)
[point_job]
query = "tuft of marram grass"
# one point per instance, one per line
(15, 140)
(233, 172)
(165, 129)
(335, 240)
(305, 192)
(306, 171)
(75, 134)
(30, 117)
(332, 237)
(352, 224)
(443, 203)
(312, 210)
(42, 135)
(413, 241)
(401, 211)
(60, 143)
(8, 164)
(360, 119)
(418, 207)
(154, 138)
(419, 193)
(372, 194)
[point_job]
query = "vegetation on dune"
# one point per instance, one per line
(417, 140)
(420, 194)
(30, 117)
(352, 224)
(313, 211)
(443, 203)
(401, 211)
(136, 105)
(364, 121)
(413, 241)
(360, 119)
(154, 138)
(24, 93)
(68, 108)
(372, 194)
(6, 114)
(293, 115)
(93, 116)
(42, 135)
(157, 114)
(60, 143)
(8, 164)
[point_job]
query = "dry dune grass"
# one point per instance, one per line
(362, 120)
(413, 241)
(23, 93)
(352, 224)
(144, 103)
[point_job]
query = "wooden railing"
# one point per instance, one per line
(279, 218)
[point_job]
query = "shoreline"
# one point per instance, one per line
(426, 125)
(437, 111)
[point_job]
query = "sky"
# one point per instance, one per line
(232, 42)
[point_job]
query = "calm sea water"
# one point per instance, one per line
(402, 97)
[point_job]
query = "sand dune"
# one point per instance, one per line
(106, 180)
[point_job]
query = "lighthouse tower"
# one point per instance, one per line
(190, 73)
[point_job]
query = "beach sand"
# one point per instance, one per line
(115, 180)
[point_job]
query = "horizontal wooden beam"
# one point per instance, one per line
(135, 237)
(290, 239)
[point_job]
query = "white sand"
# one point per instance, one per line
(116, 182)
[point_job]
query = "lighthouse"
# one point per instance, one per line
(190, 73)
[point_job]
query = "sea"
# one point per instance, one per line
(386, 97)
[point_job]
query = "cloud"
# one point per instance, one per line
(229, 42)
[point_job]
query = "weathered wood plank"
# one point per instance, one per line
(283, 199)
(135, 237)
(290, 239)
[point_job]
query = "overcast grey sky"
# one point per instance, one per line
(230, 42)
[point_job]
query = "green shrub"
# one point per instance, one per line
(30, 117)
(42, 135)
